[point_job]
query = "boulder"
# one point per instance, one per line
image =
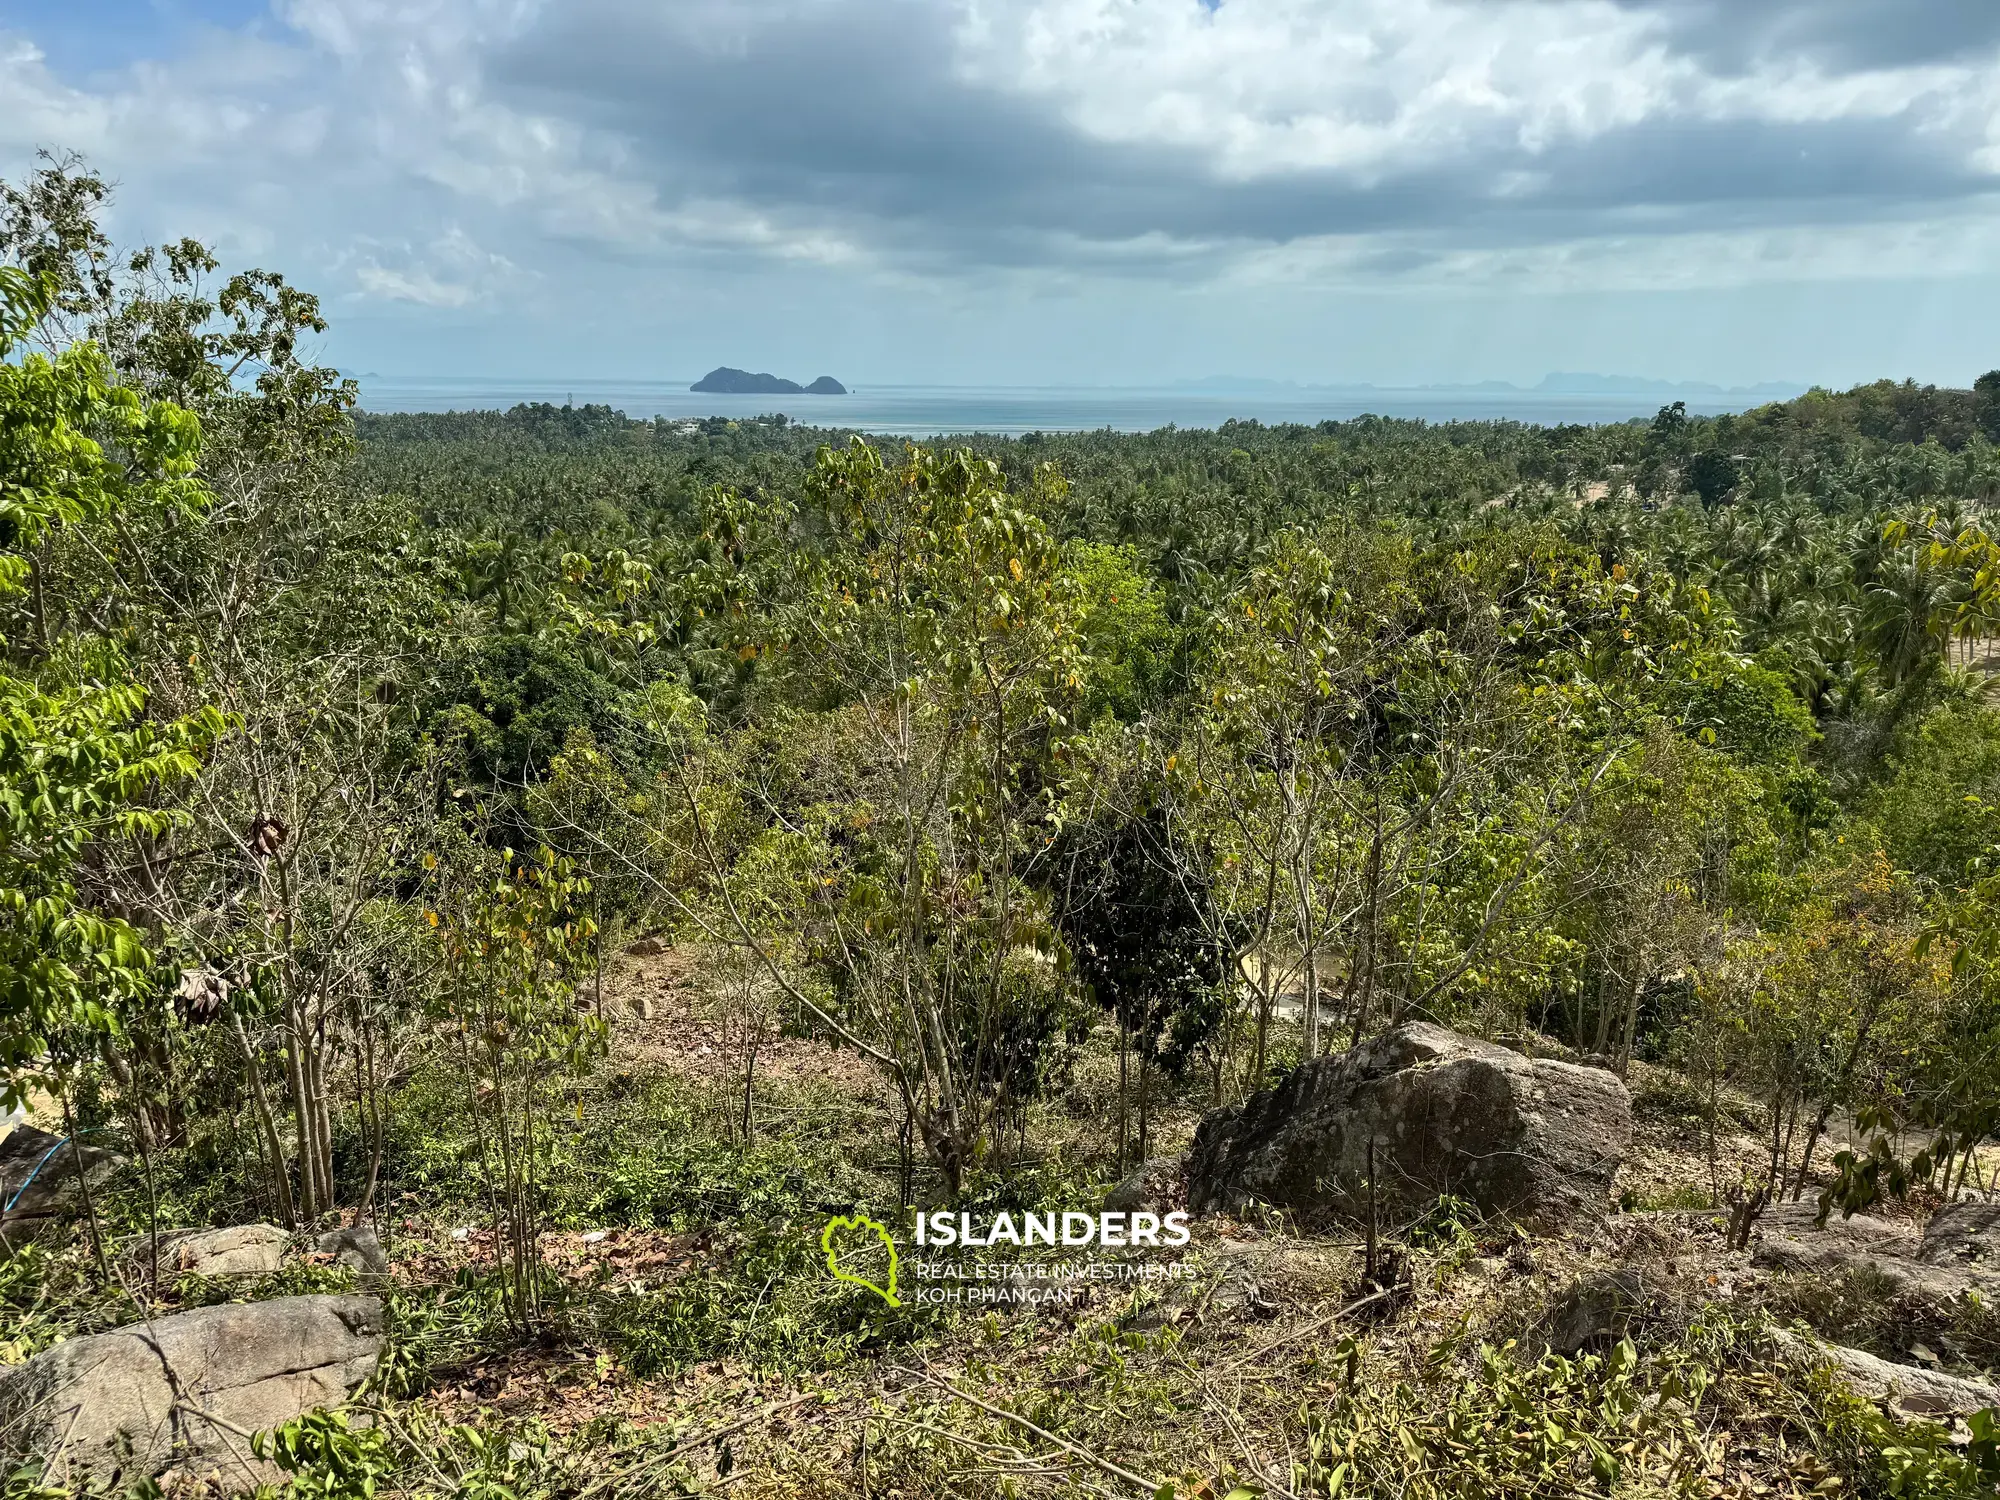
(1964, 1234)
(1788, 1237)
(357, 1247)
(1536, 1140)
(1888, 1255)
(185, 1390)
(1158, 1186)
(243, 1250)
(1598, 1309)
(1910, 1391)
(38, 1181)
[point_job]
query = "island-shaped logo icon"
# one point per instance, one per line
(724, 380)
(853, 1242)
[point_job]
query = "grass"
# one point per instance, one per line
(694, 1338)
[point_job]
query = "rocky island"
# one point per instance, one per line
(723, 380)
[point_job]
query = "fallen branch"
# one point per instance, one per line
(678, 1445)
(1313, 1327)
(1102, 1465)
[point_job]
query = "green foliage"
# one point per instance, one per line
(1128, 640)
(47, 1294)
(1664, 736)
(1489, 1421)
(768, 1303)
(77, 763)
(76, 767)
(327, 1458)
(1915, 1460)
(637, 1152)
(1938, 807)
(511, 936)
(1746, 709)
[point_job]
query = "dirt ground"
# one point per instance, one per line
(1245, 1335)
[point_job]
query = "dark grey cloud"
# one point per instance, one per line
(1841, 35)
(854, 114)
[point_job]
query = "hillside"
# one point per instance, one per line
(549, 955)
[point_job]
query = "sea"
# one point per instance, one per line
(932, 410)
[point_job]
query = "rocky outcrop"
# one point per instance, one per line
(243, 1250)
(38, 1183)
(188, 1389)
(1789, 1237)
(1158, 1186)
(1911, 1391)
(1889, 1255)
(357, 1248)
(1597, 1309)
(1964, 1235)
(1535, 1140)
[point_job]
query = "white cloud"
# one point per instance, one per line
(1369, 87)
(1364, 87)
(380, 143)
(450, 272)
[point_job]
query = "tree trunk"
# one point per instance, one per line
(267, 1126)
(1123, 1050)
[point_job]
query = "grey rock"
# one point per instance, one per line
(357, 1247)
(1596, 1310)
(184, 1390)
(1158, 1186)
(1788, 1237)
(244, 1250)
(38, 1181)
(1536, 1140)
(1883, 1253)
(1964, 1234)
(1911, 1391)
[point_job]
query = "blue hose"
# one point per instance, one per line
(26, 1182)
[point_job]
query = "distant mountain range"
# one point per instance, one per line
(1560, 383)
(725, 381)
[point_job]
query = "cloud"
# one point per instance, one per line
(1012, 132)
(1336, 142)
(452, 271)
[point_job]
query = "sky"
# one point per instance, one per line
(1042, 192)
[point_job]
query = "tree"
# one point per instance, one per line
(1137, 913)
(79, 765)
(511, 937)
(921, 618)
(1712, 475)
(1986, 401)
(265, 591)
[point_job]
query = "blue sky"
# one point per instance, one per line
(1045, 191)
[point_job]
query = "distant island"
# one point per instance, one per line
(725, 381)
(1560, 383)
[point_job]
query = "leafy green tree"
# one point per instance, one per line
(79, 764)
(1712, 475)
(1138, 915)
(512, 935)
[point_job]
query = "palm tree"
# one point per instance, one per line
(1907, 615)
